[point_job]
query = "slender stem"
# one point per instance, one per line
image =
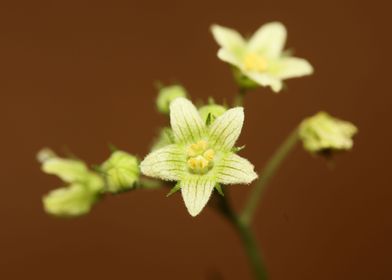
(247, 239)
(267, 173)
(239, 98)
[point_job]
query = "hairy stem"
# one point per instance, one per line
(247, 239)
(267, 173)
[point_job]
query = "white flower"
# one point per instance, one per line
(261, 58)
(202, 156)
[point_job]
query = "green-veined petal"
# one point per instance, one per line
(185, 121)
(266, 80)
(269, 39)
(233, 169)
(74, 200)
(228, 39)
(168, 163)
(196, 191)
(291, 67)
(68, 170)
(226, 129)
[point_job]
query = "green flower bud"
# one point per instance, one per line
(323, 133)
(165, 138)
(121, 171)
(166, 95)
(214, 110)
(75, 200)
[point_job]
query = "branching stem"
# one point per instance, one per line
(266, 174)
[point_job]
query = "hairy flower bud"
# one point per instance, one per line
(323, 133)
(166, 95)
(214, 110)
(121, 171)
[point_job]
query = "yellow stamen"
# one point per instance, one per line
(200, 157)
(209, 154)
(255, 62)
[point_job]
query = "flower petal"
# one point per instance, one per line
(168, 163)
(226, 129)
(185, 121)
(227, 56)
(196, 191)
(228, 39)
(269, 39)
(68, 170)
(291, 67)
(71, 201)
(266, 80)
(233, 169)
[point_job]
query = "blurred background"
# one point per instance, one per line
(78, 75)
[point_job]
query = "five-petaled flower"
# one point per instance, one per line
(202, 156)
(260, 59)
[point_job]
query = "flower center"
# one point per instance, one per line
(255, 62)
(200, 157)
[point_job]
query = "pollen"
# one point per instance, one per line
(209, 154)
(255, 62)
(200, 157)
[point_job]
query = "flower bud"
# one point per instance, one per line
(166, 95)
(323, 133)
(121, 171)
(75, 200)
(45, 154)
(214, 110)
(164, 138)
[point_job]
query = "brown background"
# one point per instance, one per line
(77, 75)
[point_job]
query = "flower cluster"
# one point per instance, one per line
(197, 152)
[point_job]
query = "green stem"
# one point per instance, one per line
(239, 98)
(267, 173)
(247, 239)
